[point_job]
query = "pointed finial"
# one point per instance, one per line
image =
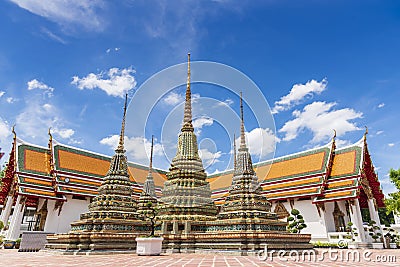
(13, 131)
(188, 99)
(151, 155)
(50, 135)
(121, 136)
(334, 135)
(234, 151)
(242, 135)
(365, 134)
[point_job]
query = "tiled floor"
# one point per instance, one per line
(324, 258)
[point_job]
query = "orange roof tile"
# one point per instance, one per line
(82, 163)
(288, 185)
(139, 175)
(344, 163)
(296, 166)
(299, 192)
(36, 161)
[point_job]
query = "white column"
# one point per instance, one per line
(16, 220)
(5, 213)
(373, 213)
(356, 219)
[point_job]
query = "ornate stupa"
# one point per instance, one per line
(115, 193)
(112, 223)
(148, 192)
(245, 200)
(186, 194)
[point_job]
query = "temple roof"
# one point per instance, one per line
(77, 172)
(296, 175)
(322, 173)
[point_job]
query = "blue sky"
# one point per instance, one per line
(319, 64)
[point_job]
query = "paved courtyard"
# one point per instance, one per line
(324, 258)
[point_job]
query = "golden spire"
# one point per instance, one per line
(151, 155)
(242, 135)
(365, 134)
(121, 136)
(234, 151)
(334, 135)
(13, 132)
(50, 136)
(188, 100)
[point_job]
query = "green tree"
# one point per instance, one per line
(393, 201)
(150, 214)
(296, 222)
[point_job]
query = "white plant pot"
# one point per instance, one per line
(352, 245)
(149, 245)
(377, 245)
(393, 245)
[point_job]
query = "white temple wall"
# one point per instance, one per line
(70, 212)
(315, 224)
(330, 223)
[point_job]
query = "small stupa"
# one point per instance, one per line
(148, 192)
(245, 199)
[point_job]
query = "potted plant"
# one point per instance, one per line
(9, 244)
(151, 244)
(391, 236)
(352, 231)
(374, 232)
(17, 243)
(296, 222)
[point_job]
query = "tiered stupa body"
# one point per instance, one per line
(112, 223)
(245, 200)
(186, 194)
(114, 203)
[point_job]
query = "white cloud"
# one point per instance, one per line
(82, 13)
(10, 100)
(391, 144)
(35, 84)
(342, 143)
(119, 81)
(379, 132)
(64, 133)
(53, 36)
(5, 140)
(116, 49)
(36, 118)
(208, 157)
(297, 93)
(381, 105)
(228, 102)
(2, 93)
(4, 129)
(173, 99)
(261, 142)
(198, 123)
(320, 119)
(137, 148)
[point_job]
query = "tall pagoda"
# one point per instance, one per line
(245, 199)
(186, 194)
(112, 219)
